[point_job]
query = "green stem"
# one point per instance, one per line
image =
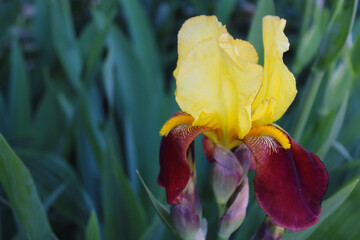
(222, 208)
(317, 77)
(222, 237)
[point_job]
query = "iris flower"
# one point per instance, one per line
(224, 93)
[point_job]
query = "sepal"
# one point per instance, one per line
(289, 183)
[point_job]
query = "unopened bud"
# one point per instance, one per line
(186, 216)
(246, 159)
(235, 214)
(268, 231)
(225, 175)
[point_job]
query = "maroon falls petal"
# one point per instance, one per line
(174, 166)
(289, 183)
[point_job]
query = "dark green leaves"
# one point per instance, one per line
(19, 94)
(23, 197)
(92, 229)
(337, 32)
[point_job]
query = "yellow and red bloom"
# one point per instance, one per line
(224, 93)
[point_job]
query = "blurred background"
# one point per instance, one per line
(85, 87)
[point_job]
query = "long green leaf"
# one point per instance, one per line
(65, 42)
(329, 206)
(92, 229)
(161, 210)
(311, 38)
(48, 114)
(93, 46)
(23, 197)
(144, 43)
(57, 184)
(338, 30)
(8, 14)
(124, 215)
(335, 130)
(342, 223)
(19, 94)
(355, 53)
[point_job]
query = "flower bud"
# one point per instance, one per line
(235, 214)
(268, 231)
(225, 174)
(186, 216)
(246, 159)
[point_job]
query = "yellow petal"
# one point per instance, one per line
(278, 89)
(197, 29)
(217, 83)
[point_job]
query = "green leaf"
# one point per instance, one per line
(332, 135)
(337, 32)
(8, 13)
(124, 216)
(355, 60)
(93, 46)
(22, 194)
(92, 229)
(263, 8)
(311, 38)
(343, 151)
(339, 85)
(65, 42)
(91, 114)
(58, 185)
(223, 10)
(329, 207)
(19, 94)
(48, 114)
(144, 43)
(160, 209)
(342, 223)
(123, 75)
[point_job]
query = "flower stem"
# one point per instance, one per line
(222, 208)
(222, 237)
(268, 231)
(309, 101)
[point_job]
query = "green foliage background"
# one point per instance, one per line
(86, 85)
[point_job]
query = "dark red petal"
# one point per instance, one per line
(289, 184)
(174, 167)
(209, 149)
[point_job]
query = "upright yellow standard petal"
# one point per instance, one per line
(217, 80)
(278, 89)
(195, 30)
